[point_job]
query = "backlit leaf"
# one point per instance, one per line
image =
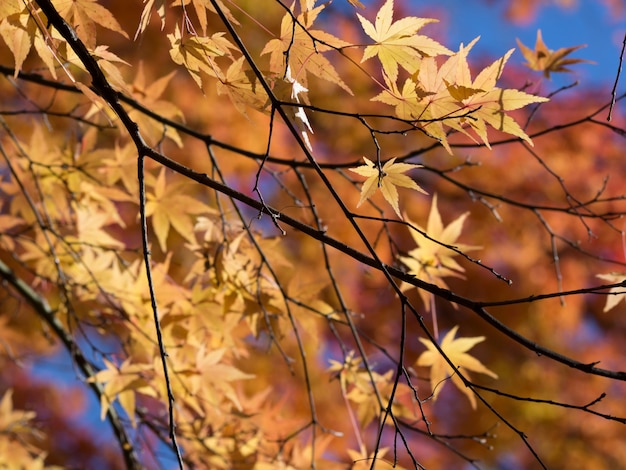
(456, 350)
(386, 179)
(616, 294)
(432, 260)
(397, 42)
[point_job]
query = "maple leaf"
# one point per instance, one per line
(12, 420)
(119, 165)
(197, 53)
(240, 86)
(201, 7)
(304, 54)
(386, 179)
(432, 261)
(148, 93)
(211, 370)
(170, 207)
(17, 36)
(397, 43)
(424, 99)
(482, 100)
(85, 15)
(456, 350)
(106, 61)
(442, 96)
(123, 383)
(89, 228)
(546, 60)
(616, 294)
(146, 15)
(20, 33)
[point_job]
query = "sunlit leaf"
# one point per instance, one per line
(433, 260)
(397, 43)
(386, 179)
(456, 350)
(616, 294)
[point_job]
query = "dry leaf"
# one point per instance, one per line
(546, 60)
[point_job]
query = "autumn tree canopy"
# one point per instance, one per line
(304, 235)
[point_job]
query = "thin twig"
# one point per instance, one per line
(619, 71)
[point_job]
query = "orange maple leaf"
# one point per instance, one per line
(547, 60)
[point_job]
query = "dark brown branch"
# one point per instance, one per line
(619, 71)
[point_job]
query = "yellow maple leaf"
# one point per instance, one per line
(197, 53)
(435, 97)
(123, 383)
(106, 61)
(456, 350)
(241, 87)
(17, 36)
(170, 207)
(481, 100)
(146, 15)
(305, 55)
(432, 261)
(90, 228)
(546, 60)
(214, 374)
(120, 164)
(148, 92)
(397, 43)
(386, 179)
(20, 33)
(12, 420)
(616, 294)
(84, 15)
